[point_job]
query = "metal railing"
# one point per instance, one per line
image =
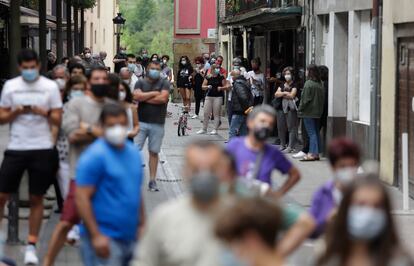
(236, 7)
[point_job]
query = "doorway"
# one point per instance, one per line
(405, 105)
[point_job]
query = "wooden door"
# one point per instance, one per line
(405, 104)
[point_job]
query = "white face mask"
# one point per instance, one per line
(288, 77)
(345, 175)
(116, 135)
(366, 223)
(122, 95)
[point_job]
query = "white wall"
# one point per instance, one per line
(365, 68)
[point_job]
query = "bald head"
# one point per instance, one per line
(202, 157)
(124, 73)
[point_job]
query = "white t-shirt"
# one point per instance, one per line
(258, 83)
(30, 131)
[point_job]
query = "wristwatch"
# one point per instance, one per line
(89, 130)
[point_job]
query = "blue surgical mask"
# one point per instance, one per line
(154, 74)
(131, 67)
(76, 94)
(30, 75)
(366, 223)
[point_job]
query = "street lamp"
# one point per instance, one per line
(119, 23)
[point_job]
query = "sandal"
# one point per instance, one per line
(308, 158)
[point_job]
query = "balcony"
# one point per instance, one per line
(237, 7)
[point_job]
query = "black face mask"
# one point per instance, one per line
(100, 90)
(262, 133)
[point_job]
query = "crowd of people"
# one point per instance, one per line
(82, 129)
(245, 86)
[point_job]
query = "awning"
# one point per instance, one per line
(263, 15)
(28, 12)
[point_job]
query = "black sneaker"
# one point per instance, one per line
(152, 186)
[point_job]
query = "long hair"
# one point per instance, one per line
(188, 65)
(78, 79)
(313, 73)
(128, 97)
(339, 243)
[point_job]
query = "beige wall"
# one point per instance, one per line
(99, 29)
(395, 11)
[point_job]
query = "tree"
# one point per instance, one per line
(149, 25)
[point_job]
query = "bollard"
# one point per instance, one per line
(13, 223)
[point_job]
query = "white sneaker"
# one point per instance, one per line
(299, 155)
(30, 256)
(194, 117)
(200, 132)
(74, 234)
(213, 132)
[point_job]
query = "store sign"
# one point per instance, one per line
(212, 33)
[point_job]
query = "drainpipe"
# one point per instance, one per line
(375, 79)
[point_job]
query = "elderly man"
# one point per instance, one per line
(128, 77)
(102, 55)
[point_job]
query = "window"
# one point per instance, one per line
(95, 36)
(103, 36)
(91, 35)
(98, 4)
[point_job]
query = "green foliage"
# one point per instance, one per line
(84, 3)
(149, 25)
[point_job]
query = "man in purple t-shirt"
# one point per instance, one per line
(247, 150)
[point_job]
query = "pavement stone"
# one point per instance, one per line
(171, 185)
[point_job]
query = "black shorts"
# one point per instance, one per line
(41, 165)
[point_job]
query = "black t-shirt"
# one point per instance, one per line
(183, 79)
(120, 65)
(215, 82)
(152, 113)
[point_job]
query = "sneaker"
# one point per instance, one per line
(73, 235)
(194, 117)
(282, 148)
(299, 155)
(30, 256)
(213, 132)
(200, 132)
(152, 186)
(288, 150)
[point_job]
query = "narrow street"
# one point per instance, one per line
(171, 186)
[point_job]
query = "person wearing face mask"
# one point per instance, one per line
(81, 126)
(214, 84)
(206, 62)
(344, 157)
(184, 81)
(87, 60)
(255, 159)
(31, 104)
(241, 100)
(125, 97)
(110, 165)
(236, 66)
(152, 93)
(165, 69)
(190, 217)
(128, 76)
(198, 80)
(145, 58)
(363, 231)
(219, 63)
(250, 227)
(286, 108)
(155, 57)
(257, 81)
(310, 110)
(120, 59)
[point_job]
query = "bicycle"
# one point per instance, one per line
(182, 124)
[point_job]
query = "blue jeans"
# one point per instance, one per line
(121, 253)
(238, 125)
(313, 133)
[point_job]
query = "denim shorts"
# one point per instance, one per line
(121, 253)
(154, 133)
